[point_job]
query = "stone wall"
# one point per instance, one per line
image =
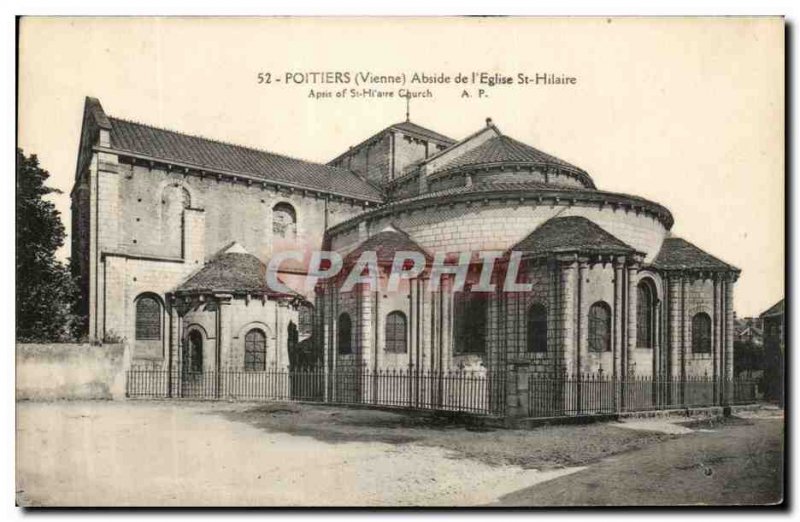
(146, 242)
(499, 224)
(70, 371)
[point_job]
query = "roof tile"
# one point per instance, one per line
(504, 149)
(678, 254)
(571, 234)
(230, 272)
(214, 155)
(385, 244)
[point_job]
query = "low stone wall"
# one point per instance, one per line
(71, 371)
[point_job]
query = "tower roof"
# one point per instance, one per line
(506, 150)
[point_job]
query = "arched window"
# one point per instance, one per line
(193, 353)
(344, 334)
(701, 333)
(470, 310)
(148, 318)
(396, 332)
(537, 328)
(600, 327)
(645, 314)
(284, 221)
(255, 351)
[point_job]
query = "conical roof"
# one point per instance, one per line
(385, 244)
(506, 150)
(233, 270)
(571, 234)
(678, 254)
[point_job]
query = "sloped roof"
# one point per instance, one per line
(385, 244)
(213, 155)
(678, 254)
(231, 270)
(571, 234)
(504, 149)
(408, 126)
(776, 309)
(405, 127)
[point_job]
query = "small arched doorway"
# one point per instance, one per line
(192, 378)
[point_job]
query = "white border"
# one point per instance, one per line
(11, 8)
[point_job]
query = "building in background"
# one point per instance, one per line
(774, 351)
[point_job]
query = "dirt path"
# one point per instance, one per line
(138, 453)
(737, 461)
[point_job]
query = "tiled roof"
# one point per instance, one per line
(571, 234)
(504, 149)
(214, 155)
(230, 272)
(776, 309)
(678, 254)
(408, 126)
(385, 244)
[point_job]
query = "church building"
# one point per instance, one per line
(172, 233)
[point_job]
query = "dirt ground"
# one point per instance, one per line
(727, 461)
(211, 454)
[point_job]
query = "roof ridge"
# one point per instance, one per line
(437, 133)
(222, 142)
(483, 129)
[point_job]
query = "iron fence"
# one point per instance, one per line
(479, 392)
(590, 394)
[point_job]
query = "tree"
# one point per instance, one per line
(45, 290)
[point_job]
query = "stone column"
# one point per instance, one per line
(553, 323)
(656, 336)
(568, 273)
(223, 338)
(674, 331)
(583, 318)
(173, 351)
(617, 344)
(728, 370)
(630, 365)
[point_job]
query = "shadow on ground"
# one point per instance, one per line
(544, 447)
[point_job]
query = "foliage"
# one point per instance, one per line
(46, 292)
(747, 356)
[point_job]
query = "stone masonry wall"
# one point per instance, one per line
(498, 225)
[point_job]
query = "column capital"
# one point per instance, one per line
(223, 299)
(566, 259)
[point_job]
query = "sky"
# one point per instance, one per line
(685, 112)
